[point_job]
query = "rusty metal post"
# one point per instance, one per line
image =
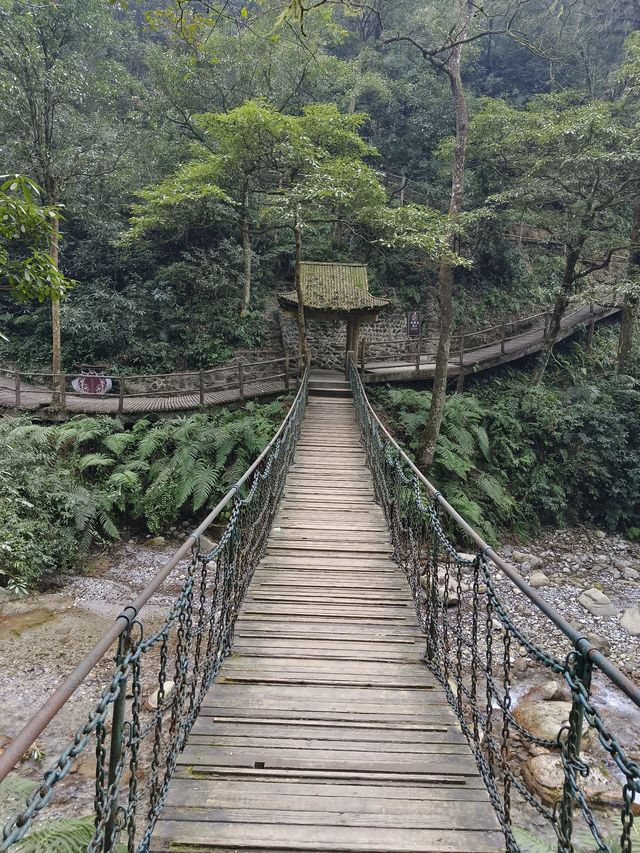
(503, 337)
(17, 385)
(120, 394)
(241, 380)
(286, 371)
(201, 385)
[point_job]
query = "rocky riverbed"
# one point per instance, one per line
(43, 637)
(593, 580)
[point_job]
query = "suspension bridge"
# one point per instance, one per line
(336, 674)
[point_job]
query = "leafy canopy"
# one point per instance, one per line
(564, 164)
(26, 267)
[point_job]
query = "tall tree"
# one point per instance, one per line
(246, 156)
(59, 91)
(629, 102)
(570, 167)
(439, 36)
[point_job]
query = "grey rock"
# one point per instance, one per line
(597, 603)
(600, 642)
(631, 621)
(630, 574)
(538, 579)
(156, 542)
(452, 599)
(518, 556)
(600, 534)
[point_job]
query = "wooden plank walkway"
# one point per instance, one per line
(33, 398)
(484, 357)
(325, 730)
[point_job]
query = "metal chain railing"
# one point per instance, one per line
(137, 747)
(471, 641)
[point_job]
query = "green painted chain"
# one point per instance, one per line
(136, 757)
(460, 652)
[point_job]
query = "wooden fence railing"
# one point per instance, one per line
(416, 351)
(241, 376)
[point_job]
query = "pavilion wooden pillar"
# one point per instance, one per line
(349, 345)
(355, 337)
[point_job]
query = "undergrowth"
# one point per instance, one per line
(66, 485)
(512, 458)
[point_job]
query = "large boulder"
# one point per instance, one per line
(631, 621)
(538, 579)
(597, 603)
(544, 776)
(543, 719)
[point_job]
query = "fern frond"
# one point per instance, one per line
(95, 460)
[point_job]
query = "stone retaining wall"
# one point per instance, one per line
(327, 340)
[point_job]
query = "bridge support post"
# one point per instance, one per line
(241, 380)
(201, 385)
(115, 752)
(120, 394)
(286, 371)
(460, 381)
(363, 347)
(592, 327)
(62, 382)
(16, 379)
(503, 338)
(418, 350)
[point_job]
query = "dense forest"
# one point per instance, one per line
(160, 159)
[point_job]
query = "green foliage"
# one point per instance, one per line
(462, 468)
(515, 456)
(64, 835)
(64, 486)
(565, 164)
(26, 267)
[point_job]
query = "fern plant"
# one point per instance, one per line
(462, 468)
(64, 486)
(65, 835)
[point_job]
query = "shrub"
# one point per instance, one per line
(64, 486)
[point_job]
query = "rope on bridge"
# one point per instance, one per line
(184, 655)
(470, 649)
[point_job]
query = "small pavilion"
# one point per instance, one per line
(335, 292)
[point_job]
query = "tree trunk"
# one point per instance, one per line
(56, 349)
(246, 256)
(627, 333)
(630, 305)
(427, 446)
(302, 333)
(559, 307)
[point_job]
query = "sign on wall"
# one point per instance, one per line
(414, 324)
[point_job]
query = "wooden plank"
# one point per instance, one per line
(273, 837)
